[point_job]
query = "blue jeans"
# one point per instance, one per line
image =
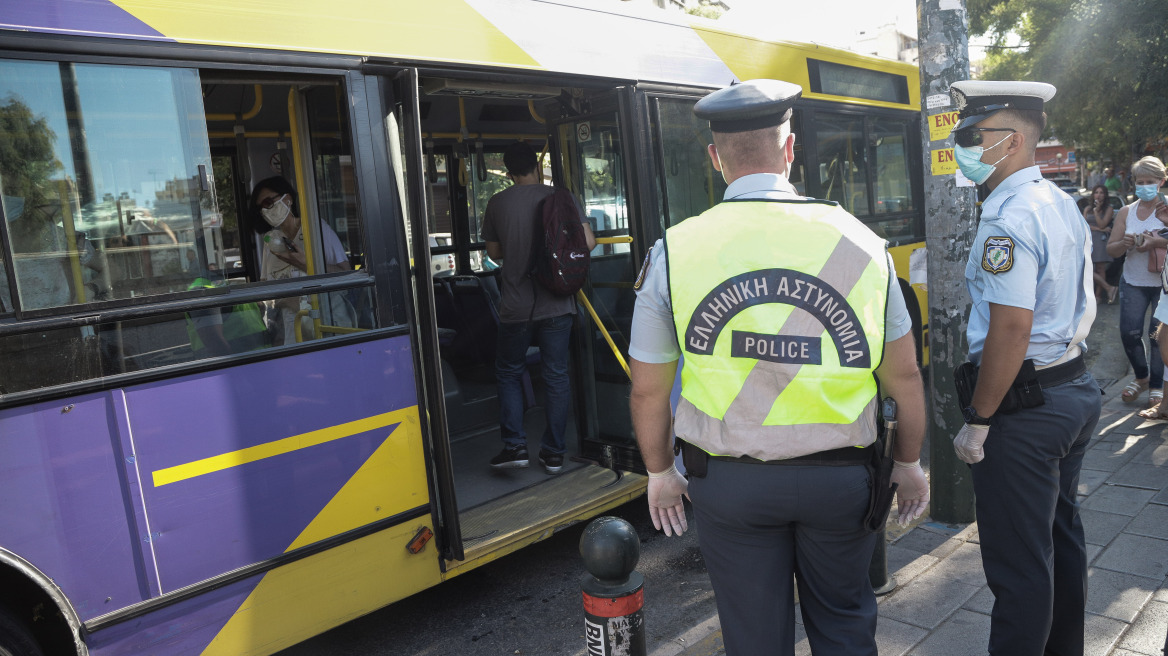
(551, 335)
(1133, 308)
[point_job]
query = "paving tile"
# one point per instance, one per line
(1161, 497)
(1146, 635)
(1101, 633)
(1153, 454)
(1090, 480)
(966, 633)
(1162, 592)
(1152, 522)
(982, 602)
(1136, 554)
(927, 542)
(1118, 500)
(927, 600)
(1117, 595)
(963, 565)
(895, 638)
(1124, 652)
(1138, 474)
(1102, 527)
(1107, 456)
(905, 564)
(1093, 551)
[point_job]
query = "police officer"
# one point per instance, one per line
(784, 307)
(1034, 405)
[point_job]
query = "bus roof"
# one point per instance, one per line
(536, 35)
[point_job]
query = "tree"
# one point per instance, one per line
(1108, 58)
(27, 157)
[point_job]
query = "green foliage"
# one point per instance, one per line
(27, 158)
(1108, 59)
(705, 10)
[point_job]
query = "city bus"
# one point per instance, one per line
(178, 475)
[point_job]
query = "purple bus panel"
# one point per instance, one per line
(91, 17)
(226, 518)
(184, 629)
(67, 506)
(77, 475)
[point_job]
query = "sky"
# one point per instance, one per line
(829, 22)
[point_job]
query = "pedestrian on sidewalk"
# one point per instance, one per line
(1135, 235)
(1033, 406)
(777, 389)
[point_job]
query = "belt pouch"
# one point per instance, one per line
(696, 461)
(882, 492)
(965, 380)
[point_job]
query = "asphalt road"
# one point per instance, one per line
(529, 602)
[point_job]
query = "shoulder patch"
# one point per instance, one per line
(998, 256)
(644, 271)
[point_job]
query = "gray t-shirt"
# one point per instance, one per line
(512, 217)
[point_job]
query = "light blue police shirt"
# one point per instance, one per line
(1029, 253)
(653, 338)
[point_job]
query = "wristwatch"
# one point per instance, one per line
(971, 417)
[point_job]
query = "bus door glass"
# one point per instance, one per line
(591, 159)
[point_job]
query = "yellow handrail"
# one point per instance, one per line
(622, 239)
(604, 331)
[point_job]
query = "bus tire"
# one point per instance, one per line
(15, 638)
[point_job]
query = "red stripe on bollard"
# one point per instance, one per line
(617, 607)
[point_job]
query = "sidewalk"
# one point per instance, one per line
(941, 604)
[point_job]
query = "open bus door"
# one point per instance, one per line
(591, 153)
(408, 166)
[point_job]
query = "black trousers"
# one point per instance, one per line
(759, 526)
(1032, 544)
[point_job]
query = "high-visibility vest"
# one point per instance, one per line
(779, 310)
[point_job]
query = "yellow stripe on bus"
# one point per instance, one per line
(277, 448)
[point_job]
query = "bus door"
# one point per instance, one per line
(414, 169)
(591, 155)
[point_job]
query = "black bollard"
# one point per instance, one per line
(878, 575)
(614, 594)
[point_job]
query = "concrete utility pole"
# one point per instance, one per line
(950, 226)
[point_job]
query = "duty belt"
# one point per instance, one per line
(848, 455)
(1062, 373)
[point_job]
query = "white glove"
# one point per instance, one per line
(912, 492)
(968, 442)
(665, 507)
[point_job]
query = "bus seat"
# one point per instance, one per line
(446, 314)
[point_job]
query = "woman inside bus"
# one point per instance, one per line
(274, 200)
(1135, 233)
(1098, 213)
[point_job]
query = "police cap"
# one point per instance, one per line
(977, 100)
(751, 105)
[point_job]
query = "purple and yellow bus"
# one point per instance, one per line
(199, 455)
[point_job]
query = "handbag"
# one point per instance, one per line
(1156, 259)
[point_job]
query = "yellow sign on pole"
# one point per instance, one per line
(940, 125)
(943, 162)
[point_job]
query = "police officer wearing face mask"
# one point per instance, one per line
(787, 310)
(1031, 406)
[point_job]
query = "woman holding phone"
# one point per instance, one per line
(1135, 233)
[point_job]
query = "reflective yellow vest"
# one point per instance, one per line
(779, 310)
(243, 324)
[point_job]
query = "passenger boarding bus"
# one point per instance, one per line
(164, 492)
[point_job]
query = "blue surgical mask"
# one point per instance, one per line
(969, 161)
(1147, 192)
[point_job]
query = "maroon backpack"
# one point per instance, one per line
(559, 247)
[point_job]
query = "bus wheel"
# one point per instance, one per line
(15, 638)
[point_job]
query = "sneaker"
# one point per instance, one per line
(510, 458)
(552, 462)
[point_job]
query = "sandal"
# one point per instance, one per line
(1155, 397)
(1133, 390)
(1153, 413)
